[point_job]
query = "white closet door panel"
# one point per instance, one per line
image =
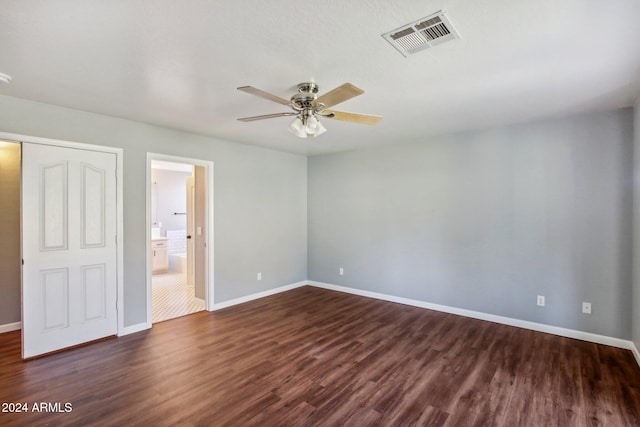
(53, 207)
(93, 193)
(94, 292)
(69, 248)
(55, 304)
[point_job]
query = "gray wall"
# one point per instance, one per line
(486, 220)
(636, 226)
(9, 233)
(260, 198)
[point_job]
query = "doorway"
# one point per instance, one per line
(66, 269)
(179, 194)
(10, 235)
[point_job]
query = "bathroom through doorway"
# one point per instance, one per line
(178, 243)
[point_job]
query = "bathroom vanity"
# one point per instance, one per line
(159, 255)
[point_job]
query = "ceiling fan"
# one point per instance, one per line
(308, 107)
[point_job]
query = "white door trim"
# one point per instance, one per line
(119, 152)
(209, 288)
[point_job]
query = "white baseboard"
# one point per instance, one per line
(635, 352)
(133, 329)
(236, 301)
(540, 327)
(144, 325)
(10, 327)
(125, 331)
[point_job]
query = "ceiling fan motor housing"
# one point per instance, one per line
(308, 87)
(304, 99)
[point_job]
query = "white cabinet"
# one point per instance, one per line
(159, 256)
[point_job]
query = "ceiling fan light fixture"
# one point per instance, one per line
(305, 127)
(314, 127)
(5, 78)
(298, 128)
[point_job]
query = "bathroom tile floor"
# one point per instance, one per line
(172, 297)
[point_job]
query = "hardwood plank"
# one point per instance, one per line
(316, 357)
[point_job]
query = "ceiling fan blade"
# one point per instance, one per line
(267, 116)
(364, 119)
(338, 95)
(266, 95)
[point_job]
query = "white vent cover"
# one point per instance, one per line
(422, 34)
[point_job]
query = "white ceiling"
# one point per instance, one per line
(177, 64)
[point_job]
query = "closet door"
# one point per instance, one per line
(69, 282)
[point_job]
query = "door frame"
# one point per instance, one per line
(119, 152)
(209, 265)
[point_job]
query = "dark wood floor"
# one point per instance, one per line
(316, 357)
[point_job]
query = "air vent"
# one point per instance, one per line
(422, 34)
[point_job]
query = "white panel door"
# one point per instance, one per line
(69, 280)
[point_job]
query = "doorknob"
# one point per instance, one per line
(189, 236)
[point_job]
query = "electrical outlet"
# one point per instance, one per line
(541, 300)
(341, 271)
(586, 307)
(259, 276)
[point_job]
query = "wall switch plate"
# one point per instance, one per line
(540, 300)
(586, 307)
(259, 276)
(341, 271)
